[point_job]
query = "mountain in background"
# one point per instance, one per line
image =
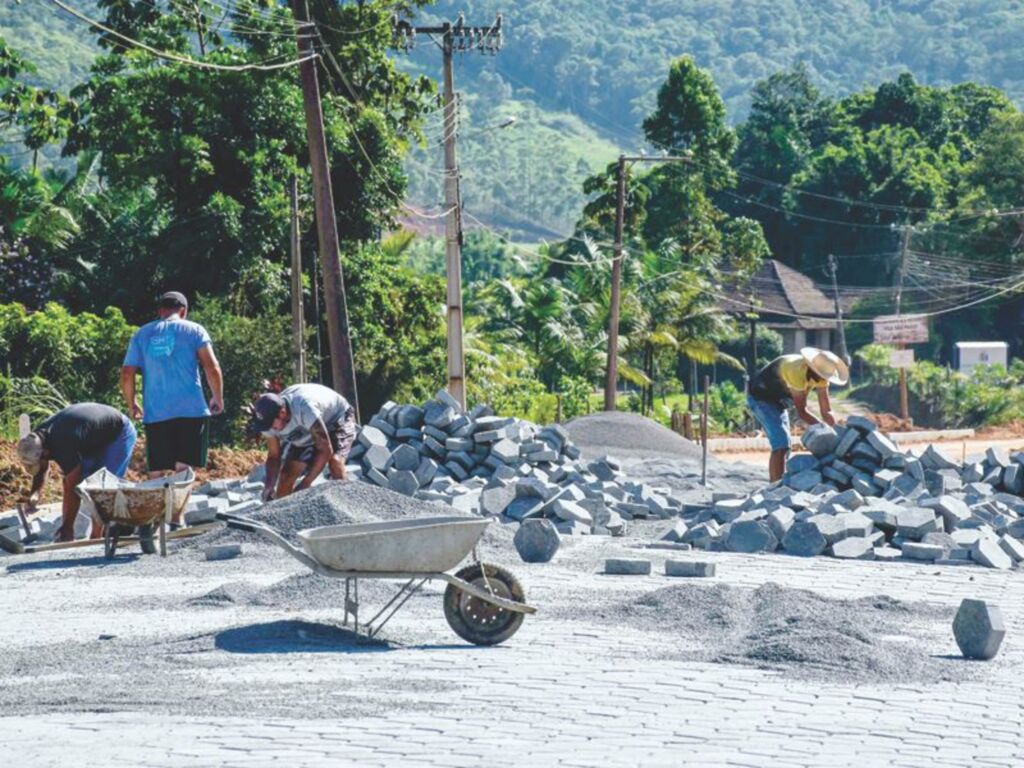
(580, 75)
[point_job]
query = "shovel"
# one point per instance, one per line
(30, 536)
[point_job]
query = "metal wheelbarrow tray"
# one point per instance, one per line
(143, 505)
(483, 603)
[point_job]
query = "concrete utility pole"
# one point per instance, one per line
(832, 268)
(612, 364)
(298, 315)
(461, 38)
(612, 371)
(343, 372)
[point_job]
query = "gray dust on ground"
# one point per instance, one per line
(795, 632)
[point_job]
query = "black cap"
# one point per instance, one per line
(172, 300)
(264, 411)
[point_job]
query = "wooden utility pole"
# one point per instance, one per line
(904, 247)
(612, 369)
(704, 435)
(843, 353)
(298, 315)
(343, 373)
(462, 38)
(612, 365)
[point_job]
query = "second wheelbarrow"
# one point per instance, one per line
(123, 506)
(483, 603)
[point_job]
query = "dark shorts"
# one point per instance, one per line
(342, 435)
(177, 441)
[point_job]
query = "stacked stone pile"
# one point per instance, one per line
(856, 495)
(491, 465)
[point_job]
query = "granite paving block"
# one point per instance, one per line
(913, 550)
(751, 536)
(804, 539)
(536, 541)
(853, 548)
(626, 567)
(979, 629)
(689, 569)
(820, 439)
(989, 553)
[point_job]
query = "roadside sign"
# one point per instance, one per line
(901, 358)
(901, 329)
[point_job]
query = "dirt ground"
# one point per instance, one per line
(15, 482)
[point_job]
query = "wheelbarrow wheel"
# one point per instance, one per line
(476, 620)
(146, 543)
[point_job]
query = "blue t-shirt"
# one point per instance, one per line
(167, 354)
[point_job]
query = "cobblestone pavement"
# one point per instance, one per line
(560, 692)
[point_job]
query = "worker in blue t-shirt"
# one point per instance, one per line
(168, 352)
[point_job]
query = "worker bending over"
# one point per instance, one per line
(307, 427)
(788, 380)
(82, 439)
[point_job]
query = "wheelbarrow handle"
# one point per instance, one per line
(240, 523)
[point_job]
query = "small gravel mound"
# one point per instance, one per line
(797, 632)
(628, 435)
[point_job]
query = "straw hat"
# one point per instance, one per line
(827, 365)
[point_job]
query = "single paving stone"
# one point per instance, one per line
(853, 548)
(569, 510)
(886, 448)
(831, 527)
(371, 436)
(820, 440)
(494, 501)
(1013, 547)
(854, 525)
(914, 522)
(862, 424)
(804, 481)
(804, 539)
(405, 458)
(989, 553)
(953, 511)
(403, 481)
(377, 477)
(536, 541)
(887, 554)
(689, 568)
(459, 444)
(913, 550)
(377, 457)
(702, 534)
(979, 629)
(751, 536)
(624, 567)
(865, 486)
(800, 462)
(426, 471)
(944, 540)
(847, 439)
(524, 507)
(199, 516)
(780, 520)
(222, 551)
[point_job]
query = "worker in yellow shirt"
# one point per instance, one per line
(788, 380)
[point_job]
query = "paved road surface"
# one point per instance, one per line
(564, 691)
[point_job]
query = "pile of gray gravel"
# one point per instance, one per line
(628, 435)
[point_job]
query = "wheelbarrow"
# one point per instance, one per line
(483, 603)
(123, 506)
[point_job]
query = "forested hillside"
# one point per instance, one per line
(581, 74)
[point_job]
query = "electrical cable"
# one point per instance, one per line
(176, 57)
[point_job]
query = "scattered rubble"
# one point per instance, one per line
(855, 495)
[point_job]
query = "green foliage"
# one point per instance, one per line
(80, 354)
(485, 256)
(575, 393)
(250, 350)
(397, 325)
(876, 368)
(727, 407)
(35, 396)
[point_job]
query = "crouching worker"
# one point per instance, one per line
(788, 380)
(82, 439)
(307, 427)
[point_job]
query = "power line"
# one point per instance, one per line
(177, 58)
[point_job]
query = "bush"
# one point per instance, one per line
(575, 396)
(727, 407)
(250, 350)
(79, 355)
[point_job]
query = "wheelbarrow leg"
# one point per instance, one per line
(166, 517)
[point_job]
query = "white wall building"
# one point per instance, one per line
(972, 353)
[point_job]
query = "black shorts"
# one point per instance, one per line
(342, 435)
(177, 441)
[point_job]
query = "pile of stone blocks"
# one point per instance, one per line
(236, 496)
(855, 495)
(500, 466)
